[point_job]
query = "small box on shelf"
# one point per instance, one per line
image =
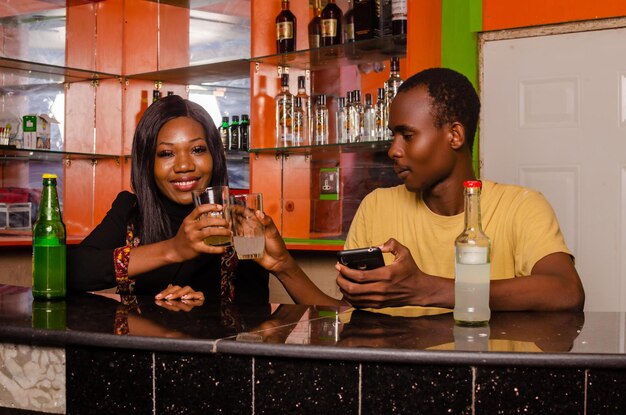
(36, 129)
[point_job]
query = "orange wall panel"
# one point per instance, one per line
(108, 182)
(498, 14)
(263, 37)
(264, 87)
(80, 117)
(110, 24)
(296, 197)
(174, 37)
(80, 43)
(78, 197)
(265, 178)
(140, 43)
(137, 97)
(109, 119)
(423, 37)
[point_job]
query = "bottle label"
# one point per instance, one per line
(314, 41)
(350, 32)
(472, 255)
(284, 30)
(398, 10)
(329, 27)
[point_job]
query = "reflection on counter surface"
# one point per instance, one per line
(411, 328)
(84, 354)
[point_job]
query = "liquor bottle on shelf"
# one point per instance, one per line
(315, 30)
(369, 120)
(356, 123)
(392, 84)
(156, 95)
(170, 93)
(286, 26)
(398, 17)
(472, 263)
(382, 132)
(349, 117)
(284, 114)
(244, 132)
(234, 134)
(348, 26)
(340, 121)
(225, 132)
(382, 18)
(299, 123)
(306, 106)
(331, 33)
(321, 121)
(49, 269)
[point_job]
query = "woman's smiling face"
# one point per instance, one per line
(182, 162)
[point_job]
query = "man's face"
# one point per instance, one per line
(182, 161)
(421, 153)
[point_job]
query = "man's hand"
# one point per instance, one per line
(394, 285)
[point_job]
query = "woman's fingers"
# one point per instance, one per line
(176, 292)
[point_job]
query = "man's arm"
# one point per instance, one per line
(553, 285)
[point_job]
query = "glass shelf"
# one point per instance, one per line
(9, 153)
(39, 73)
(200, 74)
(356, 53)
(237, 155)
(365, 146)
(14, 72)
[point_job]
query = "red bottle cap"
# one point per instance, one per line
(473, 183)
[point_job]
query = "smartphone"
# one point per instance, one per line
(361, 258)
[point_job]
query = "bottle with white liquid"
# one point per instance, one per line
(472, 264)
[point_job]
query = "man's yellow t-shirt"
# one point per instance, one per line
(520, 223)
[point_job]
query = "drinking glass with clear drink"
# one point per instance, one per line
(215, 195)
(248, 231)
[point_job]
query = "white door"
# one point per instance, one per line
(554, 119)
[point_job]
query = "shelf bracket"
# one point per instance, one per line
(158, 85)
(68, 162)
(256, 67)
(94, 162)
(282, 70)
(95, 83)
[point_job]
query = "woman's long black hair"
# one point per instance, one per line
(152, 223)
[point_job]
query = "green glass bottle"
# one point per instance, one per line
(49, 245)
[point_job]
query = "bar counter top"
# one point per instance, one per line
(367, 361)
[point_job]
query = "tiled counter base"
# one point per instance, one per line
(138, 382)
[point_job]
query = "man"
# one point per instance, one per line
(433, 119)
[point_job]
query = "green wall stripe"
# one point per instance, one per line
(461, 20)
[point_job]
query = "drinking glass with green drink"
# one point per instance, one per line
(215, 195)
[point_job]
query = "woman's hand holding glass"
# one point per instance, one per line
(199, 225)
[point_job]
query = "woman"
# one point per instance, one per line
(151, 242)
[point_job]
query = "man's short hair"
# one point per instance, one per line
(454, 98)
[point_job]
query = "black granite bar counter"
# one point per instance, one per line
(132, 355)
